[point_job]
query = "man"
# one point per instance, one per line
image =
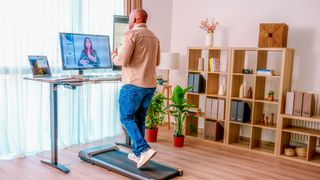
(139, 55)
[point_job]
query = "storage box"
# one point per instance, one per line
(273, 35)
(298, 100)
(308, 105)
(289, 103)
(213, 130)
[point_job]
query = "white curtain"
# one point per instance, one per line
(87, 113)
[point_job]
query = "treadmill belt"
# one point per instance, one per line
(151, 170)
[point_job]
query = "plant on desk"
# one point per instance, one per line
(154, 117)
(179, 111)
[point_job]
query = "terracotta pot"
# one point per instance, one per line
(178, 141)
(270, 98)
(151, 135)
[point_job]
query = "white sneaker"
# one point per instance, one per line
(133, 157)
(145, 157)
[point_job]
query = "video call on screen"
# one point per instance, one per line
(85, 51)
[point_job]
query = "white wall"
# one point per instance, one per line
(239, 27)
(159, 20)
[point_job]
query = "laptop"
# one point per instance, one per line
(39, 66)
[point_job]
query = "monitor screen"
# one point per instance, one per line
(84, 51)
(120, 26)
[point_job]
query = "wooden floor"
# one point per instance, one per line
(198, 159)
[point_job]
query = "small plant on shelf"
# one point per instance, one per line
(271, 95)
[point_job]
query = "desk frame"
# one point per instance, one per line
(54, 115)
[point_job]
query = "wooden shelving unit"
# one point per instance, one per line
(259, 136)
(213, 80)
(256, 135)
(298, 131)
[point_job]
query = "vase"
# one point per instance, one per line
(209, 39)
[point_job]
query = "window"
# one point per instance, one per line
(32, 27)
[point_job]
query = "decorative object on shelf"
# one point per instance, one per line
(289, 152)
(168, 61)
(271, 95)
(262, 120)
(154, 117)
(209, 27)
(273, 35)
(249, 94)
(301, 151)
(180, 111)
(241, 91)
(271, 121)
(222, 90)
(266, 120)
(247, 71)
(201, 64)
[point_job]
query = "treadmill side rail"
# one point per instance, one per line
(89, 152)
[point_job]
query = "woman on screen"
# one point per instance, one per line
(88, 54)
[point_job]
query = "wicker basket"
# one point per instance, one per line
(301, 151)
(289, 152)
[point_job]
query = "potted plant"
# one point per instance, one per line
(179, 110)
(154, 117)
(271, 95)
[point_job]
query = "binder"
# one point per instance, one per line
(308, 105)
(190, 82)
(243, 112)
(221, 107)
(289, 103)
(214, 109)
(298, 100)
(233, 110)
(208, 107)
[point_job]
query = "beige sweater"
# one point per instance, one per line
(139, 55)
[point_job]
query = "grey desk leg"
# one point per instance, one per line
(54, 130)
(127, 142)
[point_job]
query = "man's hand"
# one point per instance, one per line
(114, 53)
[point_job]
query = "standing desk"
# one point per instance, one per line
(70, 83)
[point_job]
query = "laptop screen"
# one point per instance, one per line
(39, 66)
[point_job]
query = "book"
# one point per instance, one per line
(214, 65)
(265, 72)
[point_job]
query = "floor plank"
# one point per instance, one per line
(198, 159)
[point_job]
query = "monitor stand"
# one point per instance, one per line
(80, 72)
(79, 75)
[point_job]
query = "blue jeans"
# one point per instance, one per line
(134, 103)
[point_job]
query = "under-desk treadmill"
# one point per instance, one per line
(111, 158)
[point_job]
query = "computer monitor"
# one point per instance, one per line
(85, 51)
(120, 26)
